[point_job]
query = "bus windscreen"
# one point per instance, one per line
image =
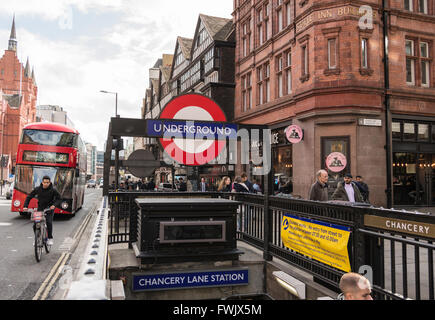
(49, 138)
(30, 177)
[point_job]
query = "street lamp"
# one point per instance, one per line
(116, 103)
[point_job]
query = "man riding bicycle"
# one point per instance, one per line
(47, 197)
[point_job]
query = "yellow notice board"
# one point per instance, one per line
(321, 241)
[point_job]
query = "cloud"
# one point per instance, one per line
(71, 71)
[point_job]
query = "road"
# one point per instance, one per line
(21, 277)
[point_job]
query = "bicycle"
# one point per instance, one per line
(41, 233)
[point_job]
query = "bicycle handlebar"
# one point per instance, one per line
(35, 210)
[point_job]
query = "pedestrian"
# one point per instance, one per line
(363, 188)
(151, 185)
(256, 186)
(347, 191)
(354, 286)
(225, 185)
(47, 197)
(182, 186)
(319, 190)
(203, 186)
(239, 185)
(248, 183)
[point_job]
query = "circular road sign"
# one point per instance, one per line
(195, 150)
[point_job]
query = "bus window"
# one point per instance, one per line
(48, 138)
(29, 177)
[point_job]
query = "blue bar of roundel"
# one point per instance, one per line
(155, 129)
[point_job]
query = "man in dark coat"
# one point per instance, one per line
(363, 188)
(247, 182)
(319, 190)
(347, 191)
(47, 198)
(182, 186)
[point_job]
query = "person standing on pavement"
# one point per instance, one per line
(355, 287)
(319, 190)
(182, 185)
(248, 183)
(203, 187)
(47, 197)
(256, 187)
(347, 191)
(225, 185)
(363, 188)
(239, 185)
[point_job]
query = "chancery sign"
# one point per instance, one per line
(404, 226)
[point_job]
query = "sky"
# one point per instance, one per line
(80, 47)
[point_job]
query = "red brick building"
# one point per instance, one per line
(319, 65)
(19, 95)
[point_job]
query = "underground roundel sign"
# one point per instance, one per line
(192, 129)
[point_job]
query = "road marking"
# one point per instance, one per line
(53, 280)
(5, 224)
(46, 282)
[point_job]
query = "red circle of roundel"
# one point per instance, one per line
(196, 100)
(174, 151)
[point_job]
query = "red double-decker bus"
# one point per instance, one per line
(54, 150)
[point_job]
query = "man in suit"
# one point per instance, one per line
(203, 187)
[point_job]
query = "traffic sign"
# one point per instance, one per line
(193, 129)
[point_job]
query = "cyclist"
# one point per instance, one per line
(47, 197)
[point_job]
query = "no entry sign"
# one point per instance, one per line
(192, 129)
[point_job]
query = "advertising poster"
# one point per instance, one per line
(321, 241)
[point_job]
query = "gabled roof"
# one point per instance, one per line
(218, 28)
(166, 73)
(185, 46)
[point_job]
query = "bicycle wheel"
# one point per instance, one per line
(47, 247)
(38, 244)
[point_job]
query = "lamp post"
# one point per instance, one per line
(116, 101)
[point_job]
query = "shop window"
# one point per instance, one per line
(288, 72)
(422, 6)
(246, 37)
(423, 132)
(397, 131)
(263, 84)
(408, 5)
(279, 76)
(332, 53)
(433, 133)
(410, 62)
(409, 132)
(425, 63)
(246, 92)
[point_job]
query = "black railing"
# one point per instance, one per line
(402, 264)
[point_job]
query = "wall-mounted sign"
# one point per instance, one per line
(294, 134)
(318, 240)
(336, 162)
(193, 129)
(370, 122)
(194, 279)
(404, 226)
